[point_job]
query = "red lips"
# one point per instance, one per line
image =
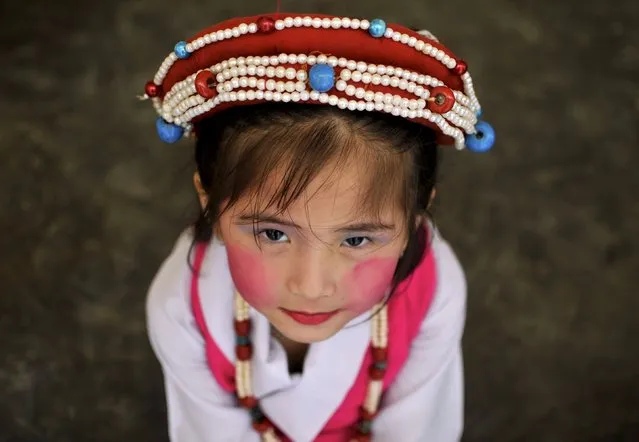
(310, 318)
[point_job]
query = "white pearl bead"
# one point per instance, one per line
(250, 95)
(351, 65)
(207, 38)
(252, 82)
(228, 33)
(336, 23)
(326, 23)
(291, 59)
(412, 41)
(360, 93)
(379, 97)
(241, 71)
(371, 69)
(317, 23)
(274, 60)
(270, 85)
(241, 96)
(261, 71)
(369, 96)
(397, 100)
(390, 70)
(352, 105)
(333, 100)
(419, 45)
(340, 85)
(419, 90)
(388, 108)
(381, 69)
(314, 95)
(282, 58)
(226, 97)
(405, 39)
(388, 99)
(300, 86)
(304, 96)
(346, 22)
(405, 102)
(385, 80)
(288, 22)
(343, 103)
(243, 82)
(302, 59)
(364, 24)
(219, 35)
(297, 22)
(345, 74)
(350, 90)
(277, 96)
(290, 86)
(394, 82)
(286, 97)
(251, 70)
(311, 59)
(342, 62)
(332, 60)
(370, 106)
(366, 78)
(290, 73)
(252, 28)
(421, 103)
(270, 71)
(376, 79)
(379, 106)
(259, 95)
(295, 96)
(403, 84)
(356, 76)
(355, 23)
(323, 98)
(279, 25)
(404, 113)
(322, 59)
(236, 32)
(412, 114)
(389, 33)
(307, 22)
(220, 77)
(362, 67)
(301, 75)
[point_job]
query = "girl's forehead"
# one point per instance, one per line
(336, 196)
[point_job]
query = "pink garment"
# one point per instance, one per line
(407, 309)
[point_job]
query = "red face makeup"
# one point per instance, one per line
(367, 283)
(249, 276)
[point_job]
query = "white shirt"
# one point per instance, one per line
(425, 402)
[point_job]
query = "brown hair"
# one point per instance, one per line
(237, 151)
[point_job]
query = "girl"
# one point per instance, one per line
(313, 300)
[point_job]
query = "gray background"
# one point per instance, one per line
(545, 225)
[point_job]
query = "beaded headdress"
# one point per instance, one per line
(354, 64)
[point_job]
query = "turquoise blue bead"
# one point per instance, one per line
(479, 113)
(180, 50)
(377, 28)
(322, 77)
(168, 132)
(243, 340)
(483, 140)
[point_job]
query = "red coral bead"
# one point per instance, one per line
(441, 100)
(248, 402)
(152, 89)
(460, 68)
(375, 373)
(205, 84)
(266, 25)
(380, 354)
(242, 328)
(262, 426)
(244, 352)
(366, 415)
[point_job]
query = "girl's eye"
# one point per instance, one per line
(274, 235)
(357, 241)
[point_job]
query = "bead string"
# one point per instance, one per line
(243, 376)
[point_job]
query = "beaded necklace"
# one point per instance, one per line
(243, 376)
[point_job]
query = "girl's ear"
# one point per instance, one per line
(201, 193)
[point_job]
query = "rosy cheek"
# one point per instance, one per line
(249, 276)
(368, 282)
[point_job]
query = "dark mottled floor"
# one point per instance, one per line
(545, 225)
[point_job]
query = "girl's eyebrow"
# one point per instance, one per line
(368, 227)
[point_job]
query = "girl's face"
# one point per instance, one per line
(318, 265)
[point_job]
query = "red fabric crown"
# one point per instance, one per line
(302, 58)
